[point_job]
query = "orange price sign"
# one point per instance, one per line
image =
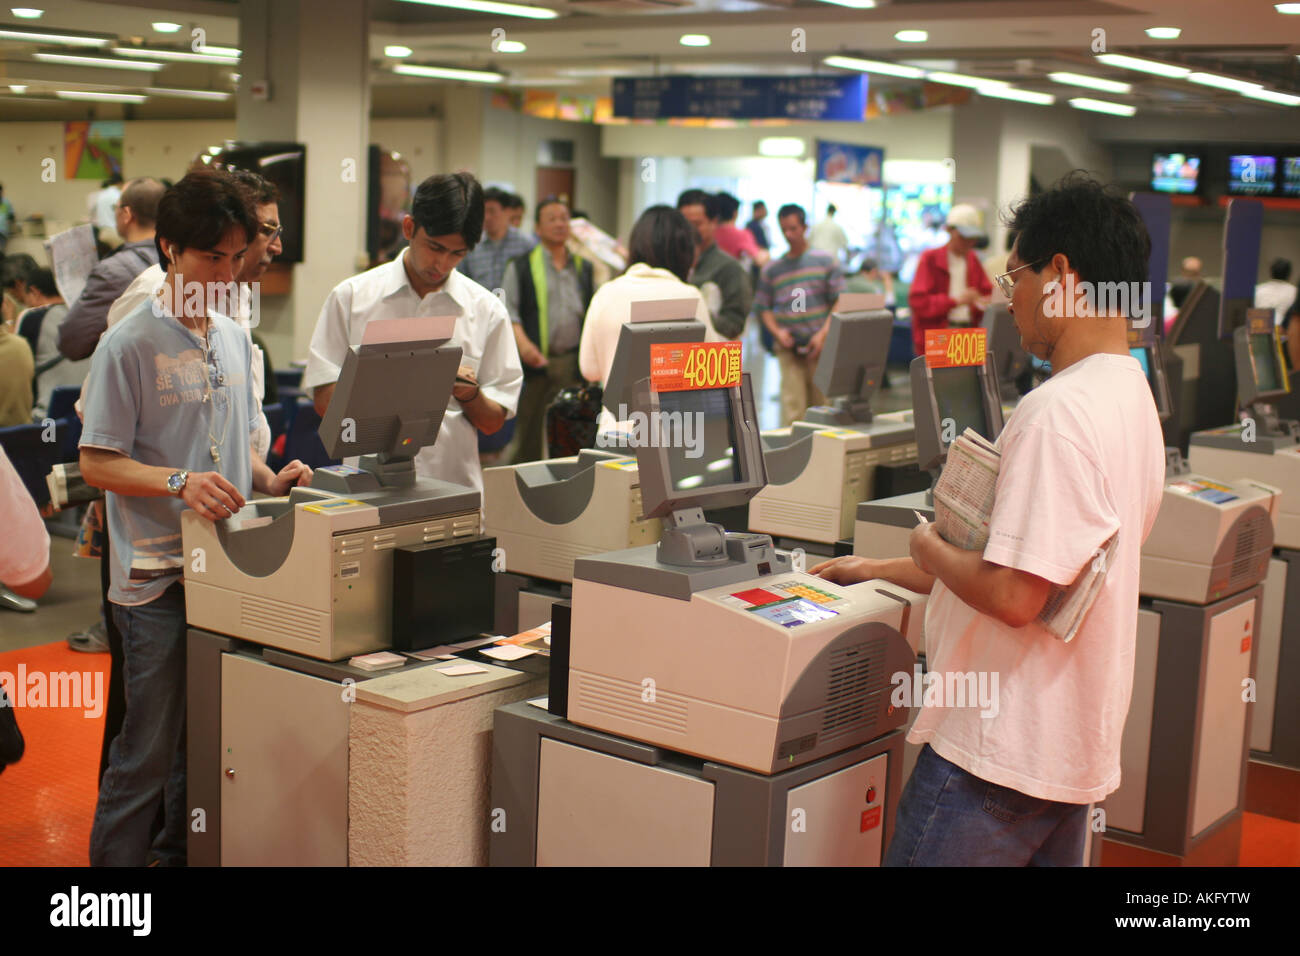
(694, 365)
(947, 348)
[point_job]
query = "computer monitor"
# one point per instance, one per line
(852, 361)
(700, 448)
(1009, 357)
(1151, 359)
(652, 322)
(947, 401)
(1175, 173)
(1250, 175)
(392, 393)
(1289, 182)
(1261, 370)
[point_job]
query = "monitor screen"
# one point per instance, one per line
(958, 396)
(1291, 175)
(1251, 175)
(1143, 357)
(1175, 173)
(1264, 356)
(699, 436)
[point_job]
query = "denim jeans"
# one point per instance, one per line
(949, 817)
(146, 761)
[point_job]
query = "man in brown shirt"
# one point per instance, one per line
(16, 371)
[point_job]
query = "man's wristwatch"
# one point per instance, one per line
(176, 481)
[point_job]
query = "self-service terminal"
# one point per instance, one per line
(821, 467)
(714, 693)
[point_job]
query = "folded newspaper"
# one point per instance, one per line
(963, 505)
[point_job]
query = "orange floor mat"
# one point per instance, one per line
(49, 796)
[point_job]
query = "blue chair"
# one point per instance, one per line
(62, 409)
(288, 378)
(275, 418)
(302, 440)
(33, 458)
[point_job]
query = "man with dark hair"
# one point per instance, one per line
(721, 279)
(445, 223)
(757, 225)
(168, 417)
(52, 370)
(1007, 781)
(514, 207)
(501, 242)
(794, 300)
(15, 273)
(547, 294)
(734, 241)
(137, 215)
(1278, 293)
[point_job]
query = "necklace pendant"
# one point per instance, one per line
(215, 453)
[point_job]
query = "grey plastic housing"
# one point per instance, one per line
(1009, 357)
(931, 449)
(632, 356)
(852, 366)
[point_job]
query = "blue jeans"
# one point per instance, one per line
(949, 817)
(146, 762)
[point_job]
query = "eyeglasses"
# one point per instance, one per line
(270, 229)
(1005, 283)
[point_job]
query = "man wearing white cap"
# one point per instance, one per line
(950, 287)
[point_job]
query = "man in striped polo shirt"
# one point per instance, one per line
(794, 299)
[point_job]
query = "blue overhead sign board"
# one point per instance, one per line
(830, 97)
(849, 163)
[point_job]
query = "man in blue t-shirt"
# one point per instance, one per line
(168, 416)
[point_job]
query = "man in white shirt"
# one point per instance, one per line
(829, 236)
(1278, 293)
(1007, 781)
(445, 223)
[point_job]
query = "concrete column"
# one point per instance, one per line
(314, 54)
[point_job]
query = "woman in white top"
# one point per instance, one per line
(662, 251)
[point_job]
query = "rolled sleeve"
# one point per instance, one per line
(330, 341)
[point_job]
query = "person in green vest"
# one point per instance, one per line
(547, 294)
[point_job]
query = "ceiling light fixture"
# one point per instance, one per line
(1090, 82)
(1102, 106)
(491, 6)
(67, 39)
(1292, 8)
(511, 46)
(71, 60)
(1272, 96)
(1223, 82)
(100, 97)
(911, 36)
(447, 73)
(961, 79)
(162, 26)
(1143, 66)
(695, 39)
(1023, 96)
(26, 13)
(1164, 33)
(397, 52)
(17, 87)
(188, 94)
(209, 55)
(855, 4)
(786, 146)
(874, 66)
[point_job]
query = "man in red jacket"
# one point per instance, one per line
(950, 287)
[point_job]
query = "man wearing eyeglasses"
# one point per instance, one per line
(950, 287)
(445, 223)
(1007, 782)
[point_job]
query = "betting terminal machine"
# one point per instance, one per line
(1183, 753)
(546, 514)
(714, 694)
(1268, 449)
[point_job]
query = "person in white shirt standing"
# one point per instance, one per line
(445, 223)
(829, 236)
(1007, 781)
(1278, 293)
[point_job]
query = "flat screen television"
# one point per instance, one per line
(1289, 182)
(284, 164)
(1175, 173)
(1250, 175)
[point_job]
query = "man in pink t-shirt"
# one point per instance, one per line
(733, 240)
(1006, 779)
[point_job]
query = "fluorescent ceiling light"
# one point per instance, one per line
(695, 39)
(1164, 33)
(1023, 96)
(1223, 82)
(26, 13)
(855, 4)
(781, 146)
(1102, 106)
(209, 55)
(961, 79)
(162, 26)
(100, 97)
(1292, 8)
(188, 94)
(227, 51)
(446, 73)
(911, 36)
(1142, 66)
(397, 52)
(544, 81)
(17, 87)
(492, 6)
(98, 61)
(511, 46)
(1091, 82)
(874, 66)
(67, 39)
(1271, 96)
